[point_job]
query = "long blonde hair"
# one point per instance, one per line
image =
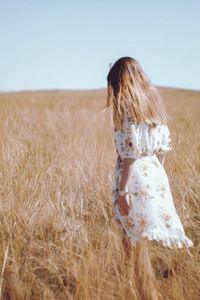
(131, 89)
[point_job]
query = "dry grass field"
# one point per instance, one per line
(58, 236)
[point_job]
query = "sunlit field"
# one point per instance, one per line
(58, 237)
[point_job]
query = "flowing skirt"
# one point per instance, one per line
(152, 214)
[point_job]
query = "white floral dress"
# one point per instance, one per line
(152, 214)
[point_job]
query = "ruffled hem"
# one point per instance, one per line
(170, 242)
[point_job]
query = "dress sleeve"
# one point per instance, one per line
(165, 144)
(127, 142)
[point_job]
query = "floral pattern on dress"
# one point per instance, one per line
(152, 213)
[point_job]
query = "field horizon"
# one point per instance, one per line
(98, 89)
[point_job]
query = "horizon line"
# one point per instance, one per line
(88, 89)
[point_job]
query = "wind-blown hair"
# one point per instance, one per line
(128, 87)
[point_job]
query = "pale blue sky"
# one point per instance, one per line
(61, 44)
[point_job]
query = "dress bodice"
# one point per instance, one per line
(139, 139)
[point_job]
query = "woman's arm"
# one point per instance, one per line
(127, 171)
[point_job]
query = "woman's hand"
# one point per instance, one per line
(123, 204)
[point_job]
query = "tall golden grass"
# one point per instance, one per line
(58, 238)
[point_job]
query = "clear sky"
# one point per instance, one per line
(62, 44)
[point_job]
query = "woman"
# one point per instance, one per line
(142, 201)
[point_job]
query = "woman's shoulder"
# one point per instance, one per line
(128, 120)
(129, 123)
